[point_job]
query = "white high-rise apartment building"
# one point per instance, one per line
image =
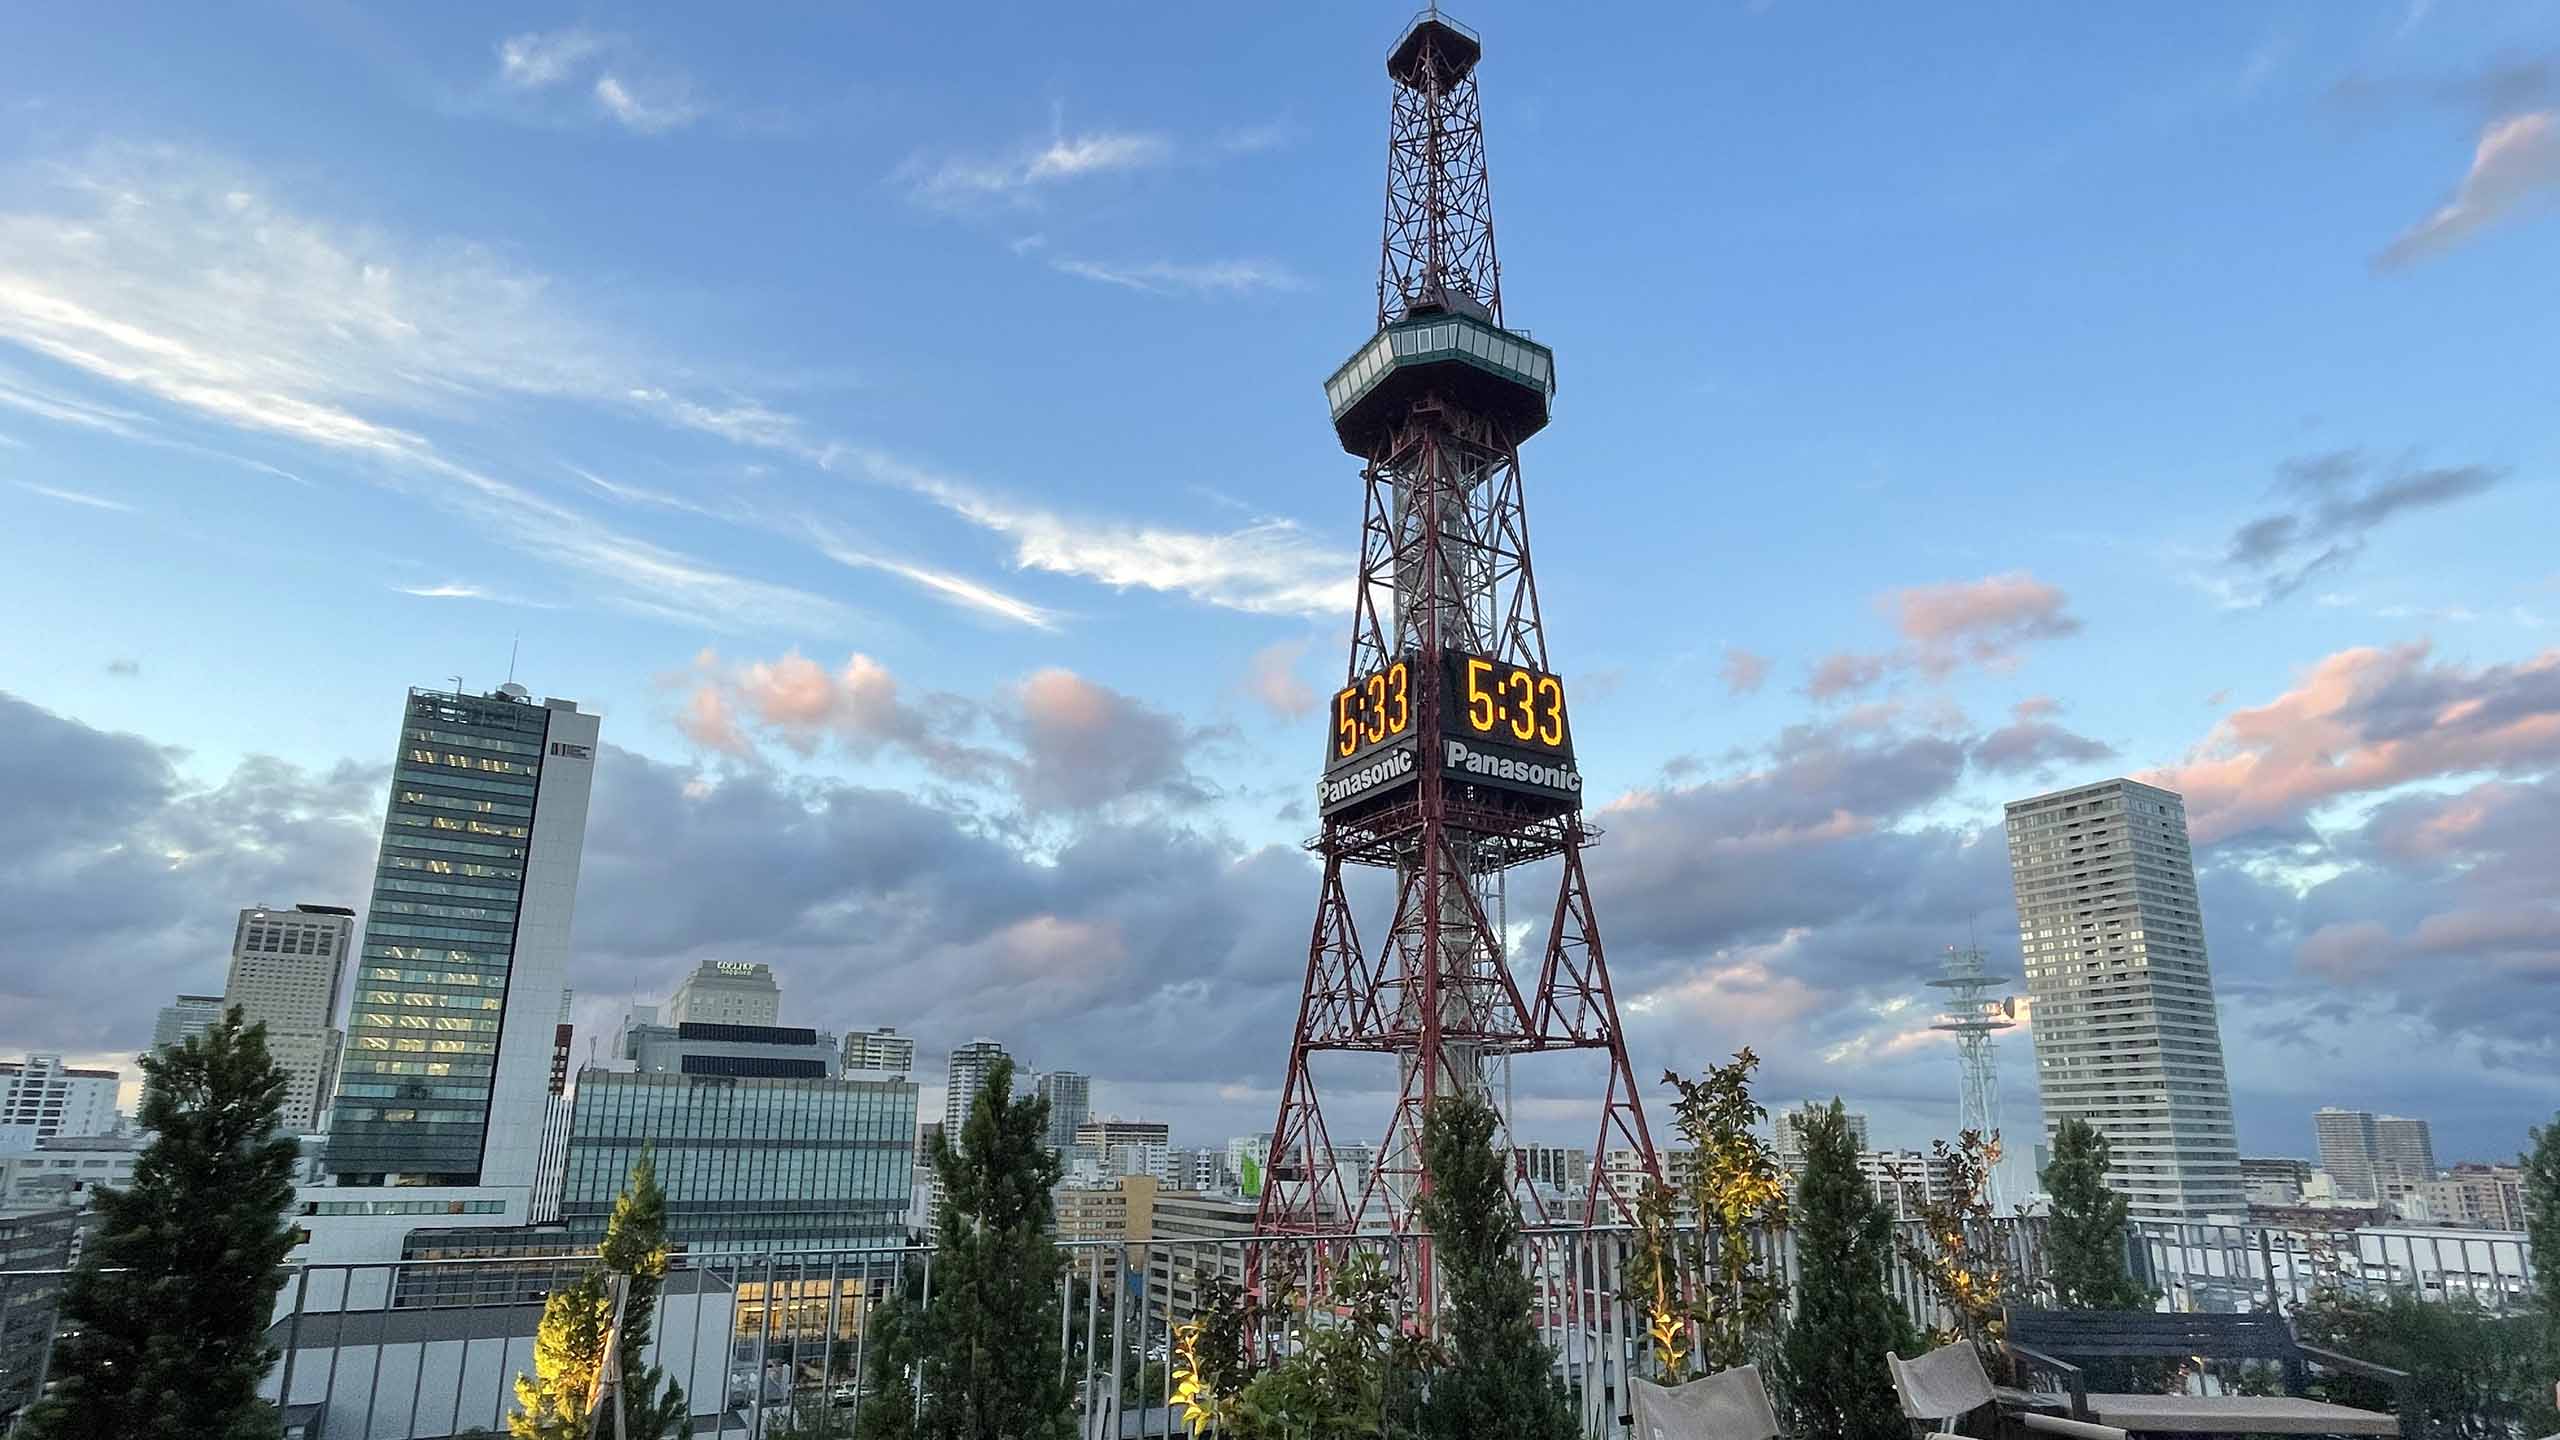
(286, 966)
(727, 992)
(882, 1049)
(1070, 1097)
(2404, 1151)
(2349, 1151)
(2126, 1033)
(1789, 1126)
(56, 1099)
(965, 1078)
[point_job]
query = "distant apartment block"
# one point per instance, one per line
(2486, 1197)
(184, 1017)
(1070, 1098)
(2127, 1036)
(883, 1049)
(2350, 1151)
(57, 1099)
(1789, 1127)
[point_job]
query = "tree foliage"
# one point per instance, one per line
(2542, 1230)
(891, 1361)
(1831, 1364)
(1210, 1361)
(1959, 1253)
(167, 1314)
(2084, 1245)
(1500, 1382)
(1352, 1369)
(578, 1332)
(2474, 1374)
(635, 1248)
(1717, 1283)
(991, 1357)
(558, 1398)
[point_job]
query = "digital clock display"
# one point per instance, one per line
(1512, 704)
(1373, 709)
(1498, 727)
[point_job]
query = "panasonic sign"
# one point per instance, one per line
(1480, 764)
(1390, 768)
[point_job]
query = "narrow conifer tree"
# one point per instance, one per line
(556, 1401)
(635, 1247)
(1500, 1383)
(2085, 1238)
(167, 1316)
(1831, 1363)
(991, 1352)
(2542, 1229)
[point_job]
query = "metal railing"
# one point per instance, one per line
(2258, 1267)
(769, 1343)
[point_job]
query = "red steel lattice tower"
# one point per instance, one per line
(1449, 752)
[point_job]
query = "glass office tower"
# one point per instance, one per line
(466, 945)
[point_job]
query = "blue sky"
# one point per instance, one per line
(2145, 371)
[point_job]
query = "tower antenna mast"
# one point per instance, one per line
(1974, 1014)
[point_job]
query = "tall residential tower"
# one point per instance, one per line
(2126, 1035)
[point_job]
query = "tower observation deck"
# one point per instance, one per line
(1449, 756)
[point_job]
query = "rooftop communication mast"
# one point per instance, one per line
(1975, 1015)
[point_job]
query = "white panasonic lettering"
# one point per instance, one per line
(1520, 772)
(1394, 765)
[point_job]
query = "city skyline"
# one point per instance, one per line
(1006, 725)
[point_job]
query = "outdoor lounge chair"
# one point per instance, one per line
(1939, 1389)
(1728, 1405)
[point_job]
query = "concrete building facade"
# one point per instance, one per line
(288, 968)
(52, 1098)
(2127, 1035)
(884, 1050)
(727, 992)
(2350, 1150)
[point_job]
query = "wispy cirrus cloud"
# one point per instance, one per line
(1268, 567)
(943, 585)
(75, 497)
(1174, 277)
(172, 276)
(640, 94)
(542, 59)
(957, 181)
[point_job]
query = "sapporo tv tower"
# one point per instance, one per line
(1449, 749)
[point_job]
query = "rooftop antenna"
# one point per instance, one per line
(457, 683)
(512, 647)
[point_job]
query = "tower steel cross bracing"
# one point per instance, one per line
(1449, 759)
